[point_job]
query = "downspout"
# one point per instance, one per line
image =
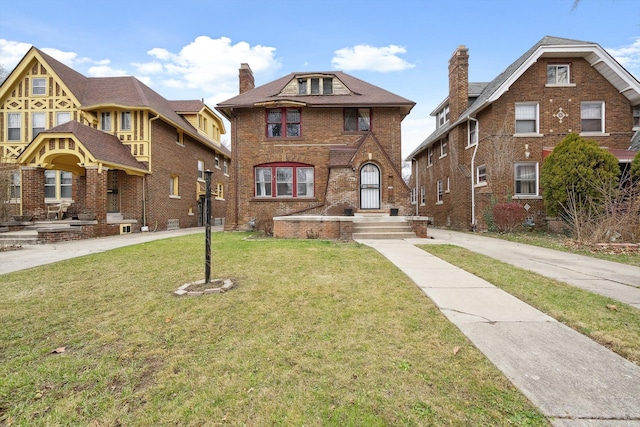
(416, 187)
(234, 153)
(144, 178)
(473, 168)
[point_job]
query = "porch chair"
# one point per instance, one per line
(58, 210)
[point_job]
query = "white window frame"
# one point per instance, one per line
(217, 161)
(225, 166)
(271, 187)
(553, 74)
(430, 155)
(443, 116)
(414, 197)
(472, 133)
(201, 170)
(423, 195)
(601, 105)
(440, 192)
(481, 175)
(524, 117)
(15, 191)
(448, 189)
(40, 89)
(519, 194)
(636, 118)
(444, 145)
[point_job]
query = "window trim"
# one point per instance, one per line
(19, 128)
(481, 182)
(517, 195)
(35, 133)
(123, 115)
(33, 86)
(174, 187)
(556, 67)
(471, 134)
(284, 124)
(59, 113)
(602, 118)
(58, 185)
(15, 187)
(103, 115)
(537, 119)
(444, 145)
(423, 195)
(635, 117)
(273, 181)
(430, 155)
(439, 192)
(200, 170)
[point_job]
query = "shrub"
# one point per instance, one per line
(508, 216)
(635, 167)
(578, 166)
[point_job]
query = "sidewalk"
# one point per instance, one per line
(34, 255)
(574, 381)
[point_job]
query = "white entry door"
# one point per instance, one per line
(370, 187)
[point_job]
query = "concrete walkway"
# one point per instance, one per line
(574, 381)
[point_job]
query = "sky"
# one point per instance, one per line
(192, 49)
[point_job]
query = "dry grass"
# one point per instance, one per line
(315, 333)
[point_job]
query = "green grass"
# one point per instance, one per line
(607, 321)
(315, 333)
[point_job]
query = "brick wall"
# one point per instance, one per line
(169, 158)
(321, 128)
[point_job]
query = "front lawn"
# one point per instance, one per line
(315, 333)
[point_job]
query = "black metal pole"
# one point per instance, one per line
(207, 221)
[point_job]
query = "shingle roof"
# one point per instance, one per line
(362, 94)
(103, 146)
(341, 156)
(125, 91)
(492, 88)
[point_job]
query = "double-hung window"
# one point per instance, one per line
(284, 180)
(526, 179)
(636, 117)
(527, 118)
(430, 155)
(423, 195)
(15, 186)
(283, 122)
(38, 86)
(14, 126)
(200, 169)
(558, 74)
(444, 147)
(357, 119)
(440, 190)
(37, 123)
(57, 184)
(592, 116)
(225, 166)
(443, 116)
(473, 133)
(481, 175)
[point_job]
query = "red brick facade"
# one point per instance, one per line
(499, 148)
(322, 138)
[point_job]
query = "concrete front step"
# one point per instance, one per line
(19, 238)
(384, 227)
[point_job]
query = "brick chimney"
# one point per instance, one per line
(458, 82)
(246, 78)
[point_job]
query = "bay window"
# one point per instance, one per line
(284, 180)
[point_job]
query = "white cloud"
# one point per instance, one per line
(211, 65)
(628, 56)
(414, 131)
(11, 53)
(105, 71)
(364, 57)
(152, 67)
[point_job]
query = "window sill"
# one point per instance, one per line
(560, 85)
(481, 184)
(284, 199)
(442, 157)
(595, 134)
(284, 138)
(172, 196)
(528, 135)
(526, 197)
(439, 203)
(470, 146)
(179, 144)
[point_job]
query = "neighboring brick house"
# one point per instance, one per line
(314, 143)
(491, 138)
(109, 145)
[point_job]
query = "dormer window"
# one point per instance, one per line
(443, 116)
(558, 74)
(315, 86)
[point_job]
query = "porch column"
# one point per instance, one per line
(33, 192)
(96, 192)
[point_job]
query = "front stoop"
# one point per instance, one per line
(381, 227)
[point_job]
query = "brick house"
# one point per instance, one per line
(109, 145)
(314, 143)
(491, 138)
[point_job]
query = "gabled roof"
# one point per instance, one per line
(103, 147)
(127, 91)
(362, 94)
(547, 47)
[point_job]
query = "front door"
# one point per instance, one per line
(113, 200)
(370, 187)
